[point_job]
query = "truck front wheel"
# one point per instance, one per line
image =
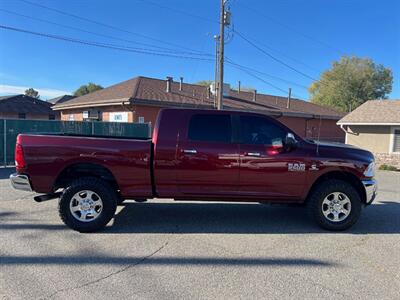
(88, 204)
(335, 205)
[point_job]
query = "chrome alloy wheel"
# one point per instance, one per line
(336, 207)
(86, 206)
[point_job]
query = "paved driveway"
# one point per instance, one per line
(170, 250)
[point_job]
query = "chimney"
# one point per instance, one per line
(169, 81)
(239, 86)
(288, 98)
(180, 83)
(254, 95)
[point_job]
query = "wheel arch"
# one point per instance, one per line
(340, 175)
(87, 169)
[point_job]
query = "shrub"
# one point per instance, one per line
(388, 168)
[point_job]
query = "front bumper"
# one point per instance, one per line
(371, 190)
(20, 182)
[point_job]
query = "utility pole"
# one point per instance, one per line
(216, 38)
(221, 57)
(289, 98)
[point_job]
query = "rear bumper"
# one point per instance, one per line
(371, 190)
(20, 182)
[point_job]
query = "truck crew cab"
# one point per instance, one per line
(196, 154)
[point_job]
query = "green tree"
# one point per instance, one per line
(87, 88)
(204, 82)
(350, 82)
(32, 93)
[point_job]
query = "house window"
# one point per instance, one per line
(396, 140)
(22, 116)
(52, 117)
(71, 118)
(118, 117)
(141, 119)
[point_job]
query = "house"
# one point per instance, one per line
(141, 98)
(61, 99)
(375, 126)
(26, 107)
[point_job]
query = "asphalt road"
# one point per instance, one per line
(175, 250)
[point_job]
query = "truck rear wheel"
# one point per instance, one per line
(335, 205)
(88, 204)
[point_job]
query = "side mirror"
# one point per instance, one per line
(290, 142)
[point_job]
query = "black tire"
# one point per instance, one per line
(323, 190)
(120, 200)
(107, 195)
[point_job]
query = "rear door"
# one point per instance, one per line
(207, 159)
(266, 170)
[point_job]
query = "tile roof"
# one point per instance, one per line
(373, 112)
(142, 90)
(24, 104)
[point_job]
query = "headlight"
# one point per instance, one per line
(370, 171)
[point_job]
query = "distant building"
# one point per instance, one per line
(375, 126)
(141, 98)
(61, 99)
(26, 107)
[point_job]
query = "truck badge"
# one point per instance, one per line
(296, 167)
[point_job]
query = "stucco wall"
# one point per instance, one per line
(373, 138)
(311, 128)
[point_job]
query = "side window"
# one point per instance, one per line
(260, 131)
(211, 128)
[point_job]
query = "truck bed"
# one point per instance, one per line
(49, 156)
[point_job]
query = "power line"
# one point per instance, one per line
(307, 36)
(162, 49)
(285, 55)
(179, 11)
(265, 74)
(104, 24)
(257, 77)
(101, 45)
(245, 70)
(273, 57)
(213, 21)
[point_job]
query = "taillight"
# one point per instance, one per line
(19, 157)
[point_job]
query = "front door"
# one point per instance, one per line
(266, 170)
(208, 160)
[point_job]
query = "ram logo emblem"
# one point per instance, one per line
(296, 167)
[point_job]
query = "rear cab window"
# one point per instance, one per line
(210, 128)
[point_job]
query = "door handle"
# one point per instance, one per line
(255, 154)
(189, 151)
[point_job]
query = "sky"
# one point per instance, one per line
(305, 36)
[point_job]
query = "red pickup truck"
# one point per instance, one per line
(196, 154)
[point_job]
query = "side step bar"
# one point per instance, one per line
(46, 197)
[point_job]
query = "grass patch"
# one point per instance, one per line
(385, 167)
